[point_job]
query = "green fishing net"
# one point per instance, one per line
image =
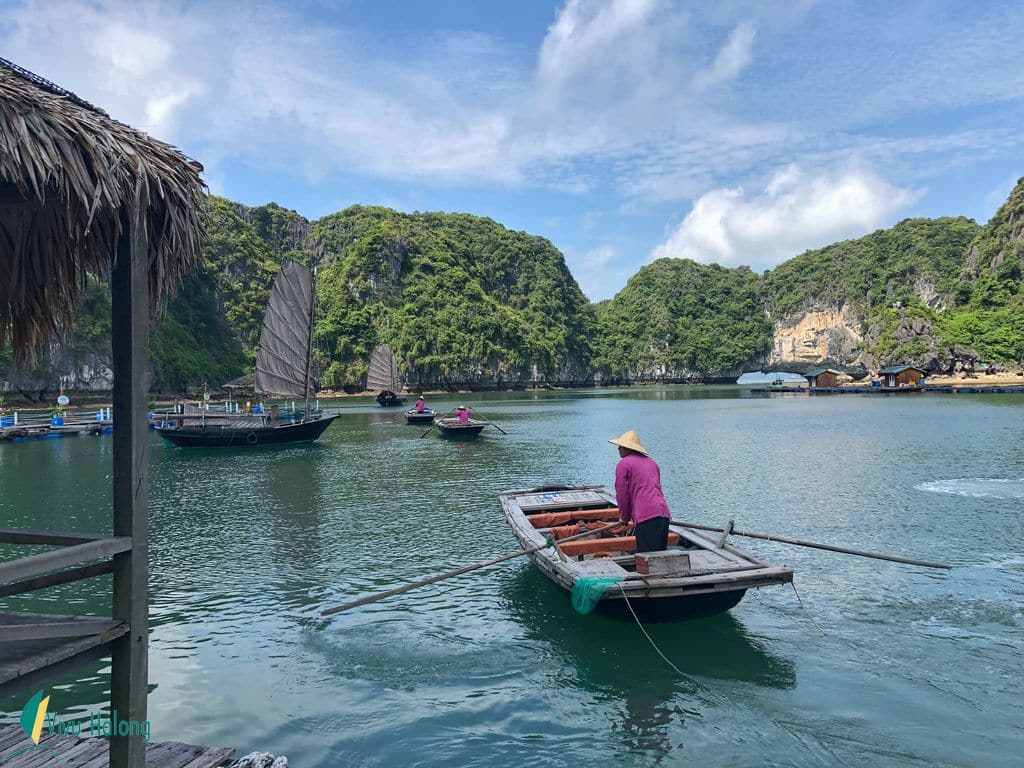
(588, 591)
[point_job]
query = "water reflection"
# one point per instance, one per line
(613, 660)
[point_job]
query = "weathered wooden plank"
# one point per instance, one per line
(777, 574)
(54, 579)
(45, 758)
(76, 627)
(77, 751)
(60, 744)
(179, 756)
(85, 752)
(169, 754)
(9, 734)
(37, 565)
(90, 752)
(100, 759)
(19, 664)
(156, 751)
(213, 757)
(129, 286)
(32, 536)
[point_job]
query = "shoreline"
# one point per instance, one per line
(88, 400)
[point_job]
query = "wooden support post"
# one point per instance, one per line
(129, 287)
(725, 535)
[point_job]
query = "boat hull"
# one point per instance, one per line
(413, 417)
(678, 608)
(231, 437)
(390, 400)
(453, 430)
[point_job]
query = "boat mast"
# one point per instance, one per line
(309, 340)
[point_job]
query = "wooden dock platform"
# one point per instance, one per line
(57, 751)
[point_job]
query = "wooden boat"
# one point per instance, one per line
(383, 376)
(694, 577)
(425, 416)
(388, 399)
(245, 431)
(283, 368)
(451, 427)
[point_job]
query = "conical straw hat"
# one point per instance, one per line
(630, 440)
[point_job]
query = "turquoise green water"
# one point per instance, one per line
(915, 667)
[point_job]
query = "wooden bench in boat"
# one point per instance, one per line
(610, 544)
(543, 520)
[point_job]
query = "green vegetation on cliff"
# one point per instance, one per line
(678, 319)
(915, 257)
(211, 328)
(989, 317)
(459, 298)
(464, 301)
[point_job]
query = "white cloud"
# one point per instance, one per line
(731, 59)
(264, 86)
(601, 271)
(621, 97)
(598, 257)
(795, 211)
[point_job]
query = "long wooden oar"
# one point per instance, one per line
(424, 432)
(459, 571)
(492, 423)
(801, 543)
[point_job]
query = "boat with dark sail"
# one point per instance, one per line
(382, 377)
(696, 576)
(283, 369)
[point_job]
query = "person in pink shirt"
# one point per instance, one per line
(420, 404)
(463, 414)
(639, 495)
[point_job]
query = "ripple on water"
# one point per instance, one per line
(977, 487)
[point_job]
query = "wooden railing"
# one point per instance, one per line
(78, 556)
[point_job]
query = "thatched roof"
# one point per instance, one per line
(70, 175)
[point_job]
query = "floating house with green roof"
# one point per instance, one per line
(901, 376)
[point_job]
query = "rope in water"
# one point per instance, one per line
(649, 639)
(793, 585)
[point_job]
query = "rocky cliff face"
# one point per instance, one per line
(59, 367)
(818, 336)
(871, 302)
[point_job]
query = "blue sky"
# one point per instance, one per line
(728, 132)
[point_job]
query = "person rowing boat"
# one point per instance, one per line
(638, 493)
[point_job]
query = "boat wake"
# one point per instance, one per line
(976, 487)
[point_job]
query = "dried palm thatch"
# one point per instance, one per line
(71, 180)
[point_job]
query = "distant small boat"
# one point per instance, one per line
(382, 376)
(450, 426)
(693, 577)
(420, 417)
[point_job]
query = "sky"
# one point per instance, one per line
(739, 133)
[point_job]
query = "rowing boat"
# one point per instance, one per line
(694, 577)
(451, 427)
(420, 417)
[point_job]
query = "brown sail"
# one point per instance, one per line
(383, 372)
(282, 367)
